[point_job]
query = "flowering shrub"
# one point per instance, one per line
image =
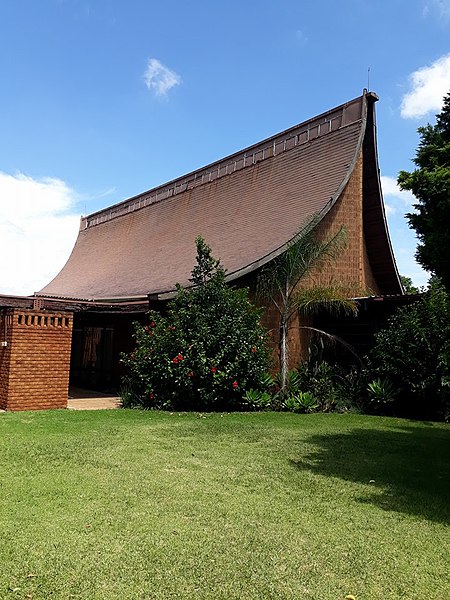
(206, 350)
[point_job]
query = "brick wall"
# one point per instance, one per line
(35, 364)
(352, 265)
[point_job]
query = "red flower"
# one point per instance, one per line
(133, 356)
(213, 369)
(254, 349)
(180, 357)
(235, 384)
(152, 324)
(150, 332)
(151, 396)
(146, 328)
(191, 374)
(175, 360)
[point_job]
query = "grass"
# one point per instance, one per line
(145, 505)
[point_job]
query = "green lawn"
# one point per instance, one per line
(145, 505)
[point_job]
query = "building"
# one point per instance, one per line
(246, 206)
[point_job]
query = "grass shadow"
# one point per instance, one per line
(406, 469)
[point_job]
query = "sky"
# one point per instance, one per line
(103, 99)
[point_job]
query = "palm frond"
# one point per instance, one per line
(332, 339)
(335, 299)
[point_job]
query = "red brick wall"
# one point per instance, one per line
(35, 364)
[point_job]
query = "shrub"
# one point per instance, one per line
(302, 402)
(257, 400)
(322, 380)
(353, 392)
(381, 394)
(413, 352)
(334, 387)
(208, 349)
(313, 386)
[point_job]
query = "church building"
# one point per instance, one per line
(247, 207)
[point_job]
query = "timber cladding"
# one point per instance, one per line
(35, 362)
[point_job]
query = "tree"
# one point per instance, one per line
(413, 352)
(205, 352)
(430, 184)
(281, 282)
(408, 286)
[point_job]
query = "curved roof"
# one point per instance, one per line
(246, 206)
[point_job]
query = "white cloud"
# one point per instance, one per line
(398, 199)
(159, 78)
(390, 210)
(301, 38)
(429, 86)
(38, 228)
(408, 266)
(441, 7)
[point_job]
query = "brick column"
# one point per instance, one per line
(35, 363)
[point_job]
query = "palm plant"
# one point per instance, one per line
(283, 282)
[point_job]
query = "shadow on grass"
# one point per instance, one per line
(406, 469)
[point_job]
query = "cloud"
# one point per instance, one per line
(441, 7)
(102, 194)
(159, 78)
(398, 199)
(407, 264)
(301, 38)
(38, 228)
(390, 210)
(429, 86)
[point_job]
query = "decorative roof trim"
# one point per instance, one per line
(108, 300)
(289, 139)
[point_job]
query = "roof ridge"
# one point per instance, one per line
(318, 126)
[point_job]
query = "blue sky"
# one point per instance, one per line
(104, 99)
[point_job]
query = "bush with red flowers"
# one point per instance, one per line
(205, 352)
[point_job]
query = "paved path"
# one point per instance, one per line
(80, 399)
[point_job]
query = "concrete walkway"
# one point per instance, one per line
(80, 399)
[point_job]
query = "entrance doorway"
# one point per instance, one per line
(98, 341)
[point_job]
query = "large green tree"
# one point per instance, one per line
(430, 184)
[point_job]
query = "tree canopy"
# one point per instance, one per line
(430, 184)
(408, 285)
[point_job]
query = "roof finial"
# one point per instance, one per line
(368, 78)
